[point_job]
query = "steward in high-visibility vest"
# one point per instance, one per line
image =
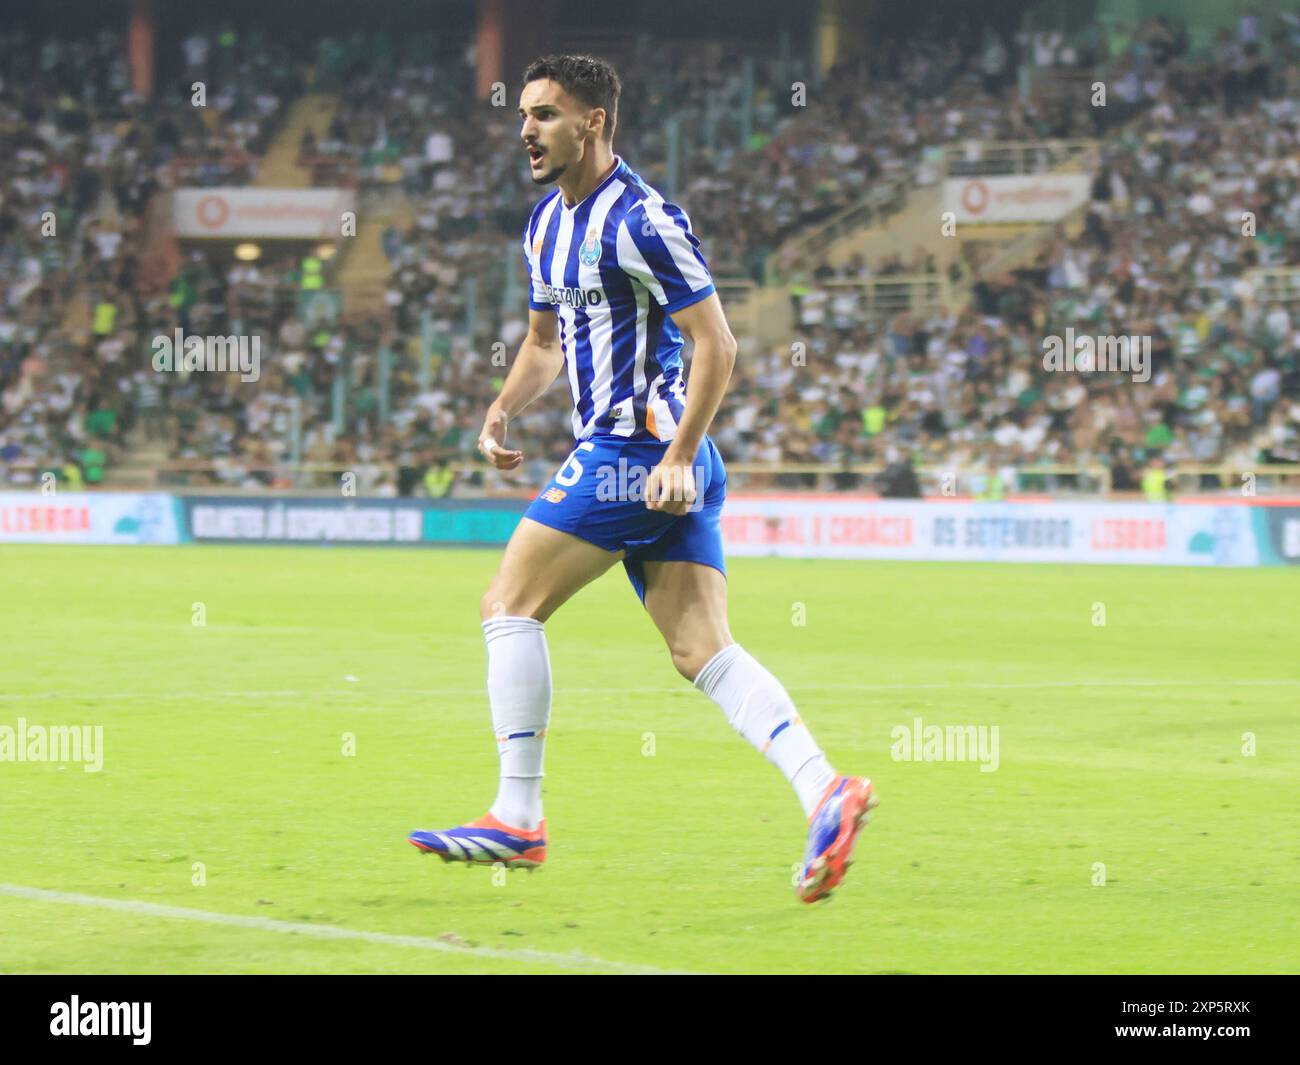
(1153, 484)
(990, 489)
(437, 481)
(312, 278)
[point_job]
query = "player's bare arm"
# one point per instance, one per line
(671, 485)
(539, 362)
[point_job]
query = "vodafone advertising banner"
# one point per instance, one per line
(303, 214)
(1016, 198)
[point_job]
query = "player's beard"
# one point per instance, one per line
(552, 175)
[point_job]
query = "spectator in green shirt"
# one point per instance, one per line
(100, 422)
(93, 459)
(1159, 435)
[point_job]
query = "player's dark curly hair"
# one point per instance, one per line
(584, 77)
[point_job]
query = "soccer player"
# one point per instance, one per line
(617, 279)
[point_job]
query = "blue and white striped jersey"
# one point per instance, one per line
(613, 268)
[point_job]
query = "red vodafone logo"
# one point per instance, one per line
(212, 212)
(975, 197)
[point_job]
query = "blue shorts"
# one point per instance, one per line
(598, 495)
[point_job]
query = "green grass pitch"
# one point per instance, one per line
(1121, 754)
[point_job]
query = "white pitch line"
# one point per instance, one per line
(575, 960)
(362, 691)
(1226, 682)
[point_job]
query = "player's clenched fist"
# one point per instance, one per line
(670, 487)
(491, 439)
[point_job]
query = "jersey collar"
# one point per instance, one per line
(610, 176)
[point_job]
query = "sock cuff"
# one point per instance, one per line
(507, 626)
(716, 667)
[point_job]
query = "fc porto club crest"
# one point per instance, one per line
(589, 249)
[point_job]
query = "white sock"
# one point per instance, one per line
(761, 711)
(519, 689)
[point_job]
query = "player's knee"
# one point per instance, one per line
(493, 604)
(500, 602)
(687, 664)
(689, 661)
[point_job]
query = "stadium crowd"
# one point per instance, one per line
(1194, 140)
(85, 156)
(1197, 188)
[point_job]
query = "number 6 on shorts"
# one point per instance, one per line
(564, 478)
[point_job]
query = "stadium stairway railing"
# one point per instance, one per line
(281, 166)
(363, 271)
(896, 218)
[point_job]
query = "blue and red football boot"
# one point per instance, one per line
(486, 842)
(844, 811)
